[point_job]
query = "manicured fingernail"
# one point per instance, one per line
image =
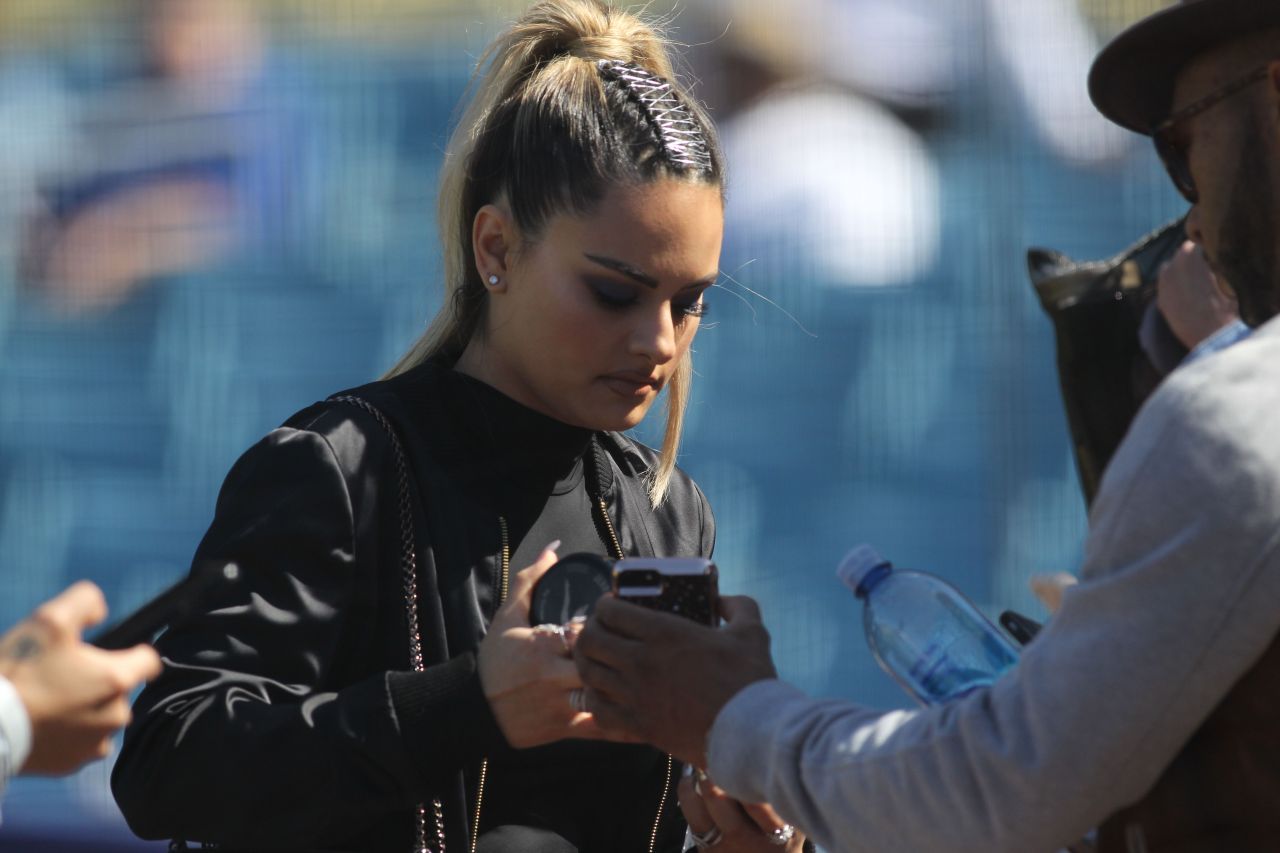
(552, 547)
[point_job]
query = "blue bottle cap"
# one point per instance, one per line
(859, 563)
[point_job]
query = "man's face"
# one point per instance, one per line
(1232, 153)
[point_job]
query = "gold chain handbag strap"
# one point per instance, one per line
(409, 582)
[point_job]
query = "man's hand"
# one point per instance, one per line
(76, 695)
(662, 679)
(1191, 298)
(1050, 588)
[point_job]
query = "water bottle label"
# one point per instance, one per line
(928, 661)
(949, 683)
(941, 680)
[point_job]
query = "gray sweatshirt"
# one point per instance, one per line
(1180, 595)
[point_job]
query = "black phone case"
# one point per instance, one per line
(570, 588)
(1021, 628)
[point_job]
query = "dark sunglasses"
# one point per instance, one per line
(1172, 147)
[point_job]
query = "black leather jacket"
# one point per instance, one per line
(286, 717)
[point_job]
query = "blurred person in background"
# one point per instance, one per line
(39, 111)
(61, 699)
(916, 56)
(188, 155)
(1147, 705)
(382, 655)
(788, 124)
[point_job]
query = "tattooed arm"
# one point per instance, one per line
(61, 699)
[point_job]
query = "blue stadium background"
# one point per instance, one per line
(919, 412)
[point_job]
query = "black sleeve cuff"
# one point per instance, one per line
(444, 717)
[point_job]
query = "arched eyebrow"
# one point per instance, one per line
(639, 275)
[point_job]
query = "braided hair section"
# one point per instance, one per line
(679, 135)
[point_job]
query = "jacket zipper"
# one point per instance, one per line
(666, 785)
(504, 561)
(608, 525)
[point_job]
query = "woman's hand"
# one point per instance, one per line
(717, 820)
(527, 674)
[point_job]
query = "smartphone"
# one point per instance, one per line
(1021, 628)
(685, 586)
(172, 605)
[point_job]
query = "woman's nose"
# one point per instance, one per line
(655, 336)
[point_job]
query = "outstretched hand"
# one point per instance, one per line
(662, 679)
(75, 695)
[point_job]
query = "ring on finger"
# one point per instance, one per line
(698, 778)
(782, 835)
(578, 700)
(710, 838)
(558, 630)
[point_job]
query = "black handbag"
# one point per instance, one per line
(1097, 309)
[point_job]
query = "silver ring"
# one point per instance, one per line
(710, 838)
(557, 630)
(782, 835)
(578, 700)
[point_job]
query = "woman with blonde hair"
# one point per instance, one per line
(373, 683)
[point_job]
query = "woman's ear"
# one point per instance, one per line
(492, 237)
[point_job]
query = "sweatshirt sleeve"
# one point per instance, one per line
(1181, 576)
(15, 733)
(249, 738)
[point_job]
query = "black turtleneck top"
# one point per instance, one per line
(287, 717)
(530, 469)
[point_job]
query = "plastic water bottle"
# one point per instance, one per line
(923, 631)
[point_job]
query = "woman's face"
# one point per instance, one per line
(589, 322)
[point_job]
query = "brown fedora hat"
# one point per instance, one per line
(1132, 79)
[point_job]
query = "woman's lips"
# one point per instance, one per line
(630, 384)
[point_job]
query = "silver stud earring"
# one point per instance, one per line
(493, 281)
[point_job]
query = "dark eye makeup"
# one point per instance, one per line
(695, 308)
(612, 294)
(619, 296)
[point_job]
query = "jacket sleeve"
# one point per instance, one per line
(248, 738)
(1177, 601)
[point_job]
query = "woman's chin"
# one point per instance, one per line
(617, 420)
